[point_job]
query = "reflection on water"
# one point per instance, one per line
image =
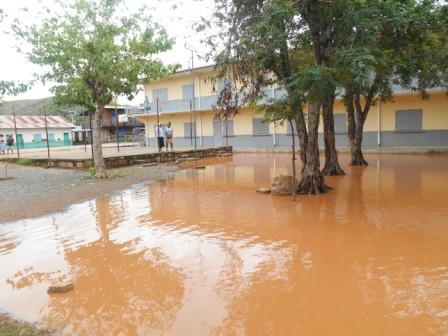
(203, 254)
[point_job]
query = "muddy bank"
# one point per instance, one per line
(10, 327)
(37, 191)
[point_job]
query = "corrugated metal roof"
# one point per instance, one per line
(7, 121)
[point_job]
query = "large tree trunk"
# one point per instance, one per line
(356, 156)
(303, 137)
(355, 132)
(98, 159)
(332, 166)
(312, 181)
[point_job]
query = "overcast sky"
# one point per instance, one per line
(176, 16)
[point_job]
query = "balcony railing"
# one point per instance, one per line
(200, 103)
(132, 122)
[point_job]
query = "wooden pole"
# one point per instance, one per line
(227, 132)
(15, 131)
(84, 132)
(191, 123)
(117, 127)
(158, 122)
(46, 131)
(91, 134)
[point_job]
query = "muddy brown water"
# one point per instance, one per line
(203, 254)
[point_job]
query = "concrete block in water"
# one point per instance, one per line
(61, 288)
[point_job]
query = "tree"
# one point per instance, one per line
(94, 53)
(387, 42)
(262, 43)
(324, 29)
(12, 88)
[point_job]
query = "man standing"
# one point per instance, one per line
(2, 144)
(160, 135)
(9, 144)
(169, 136)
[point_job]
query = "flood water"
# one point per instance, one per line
(203, 254)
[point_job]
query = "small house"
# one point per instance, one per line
(31, 131)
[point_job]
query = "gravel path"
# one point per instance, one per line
(37, 191)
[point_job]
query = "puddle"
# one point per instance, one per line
(203, 254)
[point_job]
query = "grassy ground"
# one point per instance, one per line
(9, 327)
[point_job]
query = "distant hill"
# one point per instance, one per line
(26, 107)
(30, 107)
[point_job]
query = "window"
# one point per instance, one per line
(189, 130)
(280, 92)
(222, 83)
(408, 120)
(37, 138)
(339, 123)
(260, 127)
(161, 94)
(228, 128)
(187, 91)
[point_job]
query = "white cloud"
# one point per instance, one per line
(176, 16)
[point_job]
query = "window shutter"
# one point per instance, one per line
(415, 120)
(163, 95)
(155, 95)
(409, 120)
(260, 127)
(189, 130)
(187, 91)
(339, 123)
(401, 121)
(228, 127)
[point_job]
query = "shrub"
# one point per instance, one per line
(25, 162)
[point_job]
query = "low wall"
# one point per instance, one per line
(128, 160)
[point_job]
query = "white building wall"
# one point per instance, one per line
(28, 134)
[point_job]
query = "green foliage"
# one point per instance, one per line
(258, 44)
(93, 53)
(92, 171)
(12, 88)
(388, 42)
(25, 162)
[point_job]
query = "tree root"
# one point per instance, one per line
(358, 160)
(99, 175)
(312, 185)
(332, 170)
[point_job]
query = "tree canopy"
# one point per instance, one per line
(94, 51)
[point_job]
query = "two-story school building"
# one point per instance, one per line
(186, 99)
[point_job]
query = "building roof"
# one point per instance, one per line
(7, 122)
(182, 73)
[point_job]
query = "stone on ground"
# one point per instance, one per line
(282, 185)
(263, 190)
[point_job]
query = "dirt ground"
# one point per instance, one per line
(37, 191)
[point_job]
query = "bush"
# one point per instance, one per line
(25, 162)
(92, 171)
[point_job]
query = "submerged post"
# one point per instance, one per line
(84, 136)
(91, 135)
(15, 131)
(158, 122)
(117, 127)
(46, 131)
